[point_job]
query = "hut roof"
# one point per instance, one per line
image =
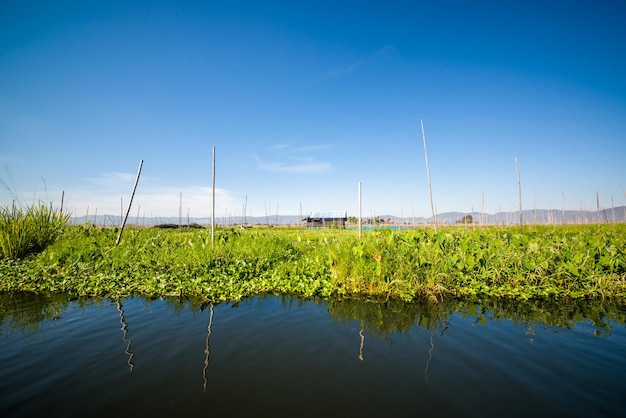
(328, 215)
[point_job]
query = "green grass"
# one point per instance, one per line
(575, 262)
(29, 229)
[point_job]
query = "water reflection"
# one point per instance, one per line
(207, 350)
(384, 318)
(125, 331)
(361, 346)
(27, 311)
(454, 358)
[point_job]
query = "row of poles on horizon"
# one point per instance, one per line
(132, 195)
(360, 226)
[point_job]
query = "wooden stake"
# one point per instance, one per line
(360, 221)
(482, 211)
(243, 213)
(213, 199)
(132, 195)
(598, 206)
(430, 190)
(534, 207)
(519, 192)
(613, 210)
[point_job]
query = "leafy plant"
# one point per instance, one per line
(580, 262)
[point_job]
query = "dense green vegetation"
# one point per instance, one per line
(544, 262)
(29, 229)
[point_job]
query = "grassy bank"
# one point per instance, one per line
(542, 262)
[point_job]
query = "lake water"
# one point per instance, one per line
(285, 357)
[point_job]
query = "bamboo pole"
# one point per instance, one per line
(598, 206)
(243, 213)
(360, 222)
(213, 198)
(534, 207)
(613, 210)
(430, 190)
(482, 211)
(130, 203)
(519, 192)
(180, 210)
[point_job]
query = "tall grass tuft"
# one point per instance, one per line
(29, 229)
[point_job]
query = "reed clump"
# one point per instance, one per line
(26, 230)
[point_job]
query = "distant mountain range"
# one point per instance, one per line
(539, 216)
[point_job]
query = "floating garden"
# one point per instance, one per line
(40, 253)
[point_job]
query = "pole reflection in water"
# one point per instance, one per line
(432, 346)
(207, 350)
(124, 328)
(430, 355)
(575, 365)
(361, 347)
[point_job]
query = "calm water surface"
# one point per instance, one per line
(284, 357)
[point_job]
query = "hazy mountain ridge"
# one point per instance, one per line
(539, 216)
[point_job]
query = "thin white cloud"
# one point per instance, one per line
(307, 148)
(353, 66)
(304, 166)
(109, 194)
(112, 179)
(163, 202)
(282, 146)
(290, 158)
(291, 148)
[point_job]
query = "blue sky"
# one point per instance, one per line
(304, 100)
